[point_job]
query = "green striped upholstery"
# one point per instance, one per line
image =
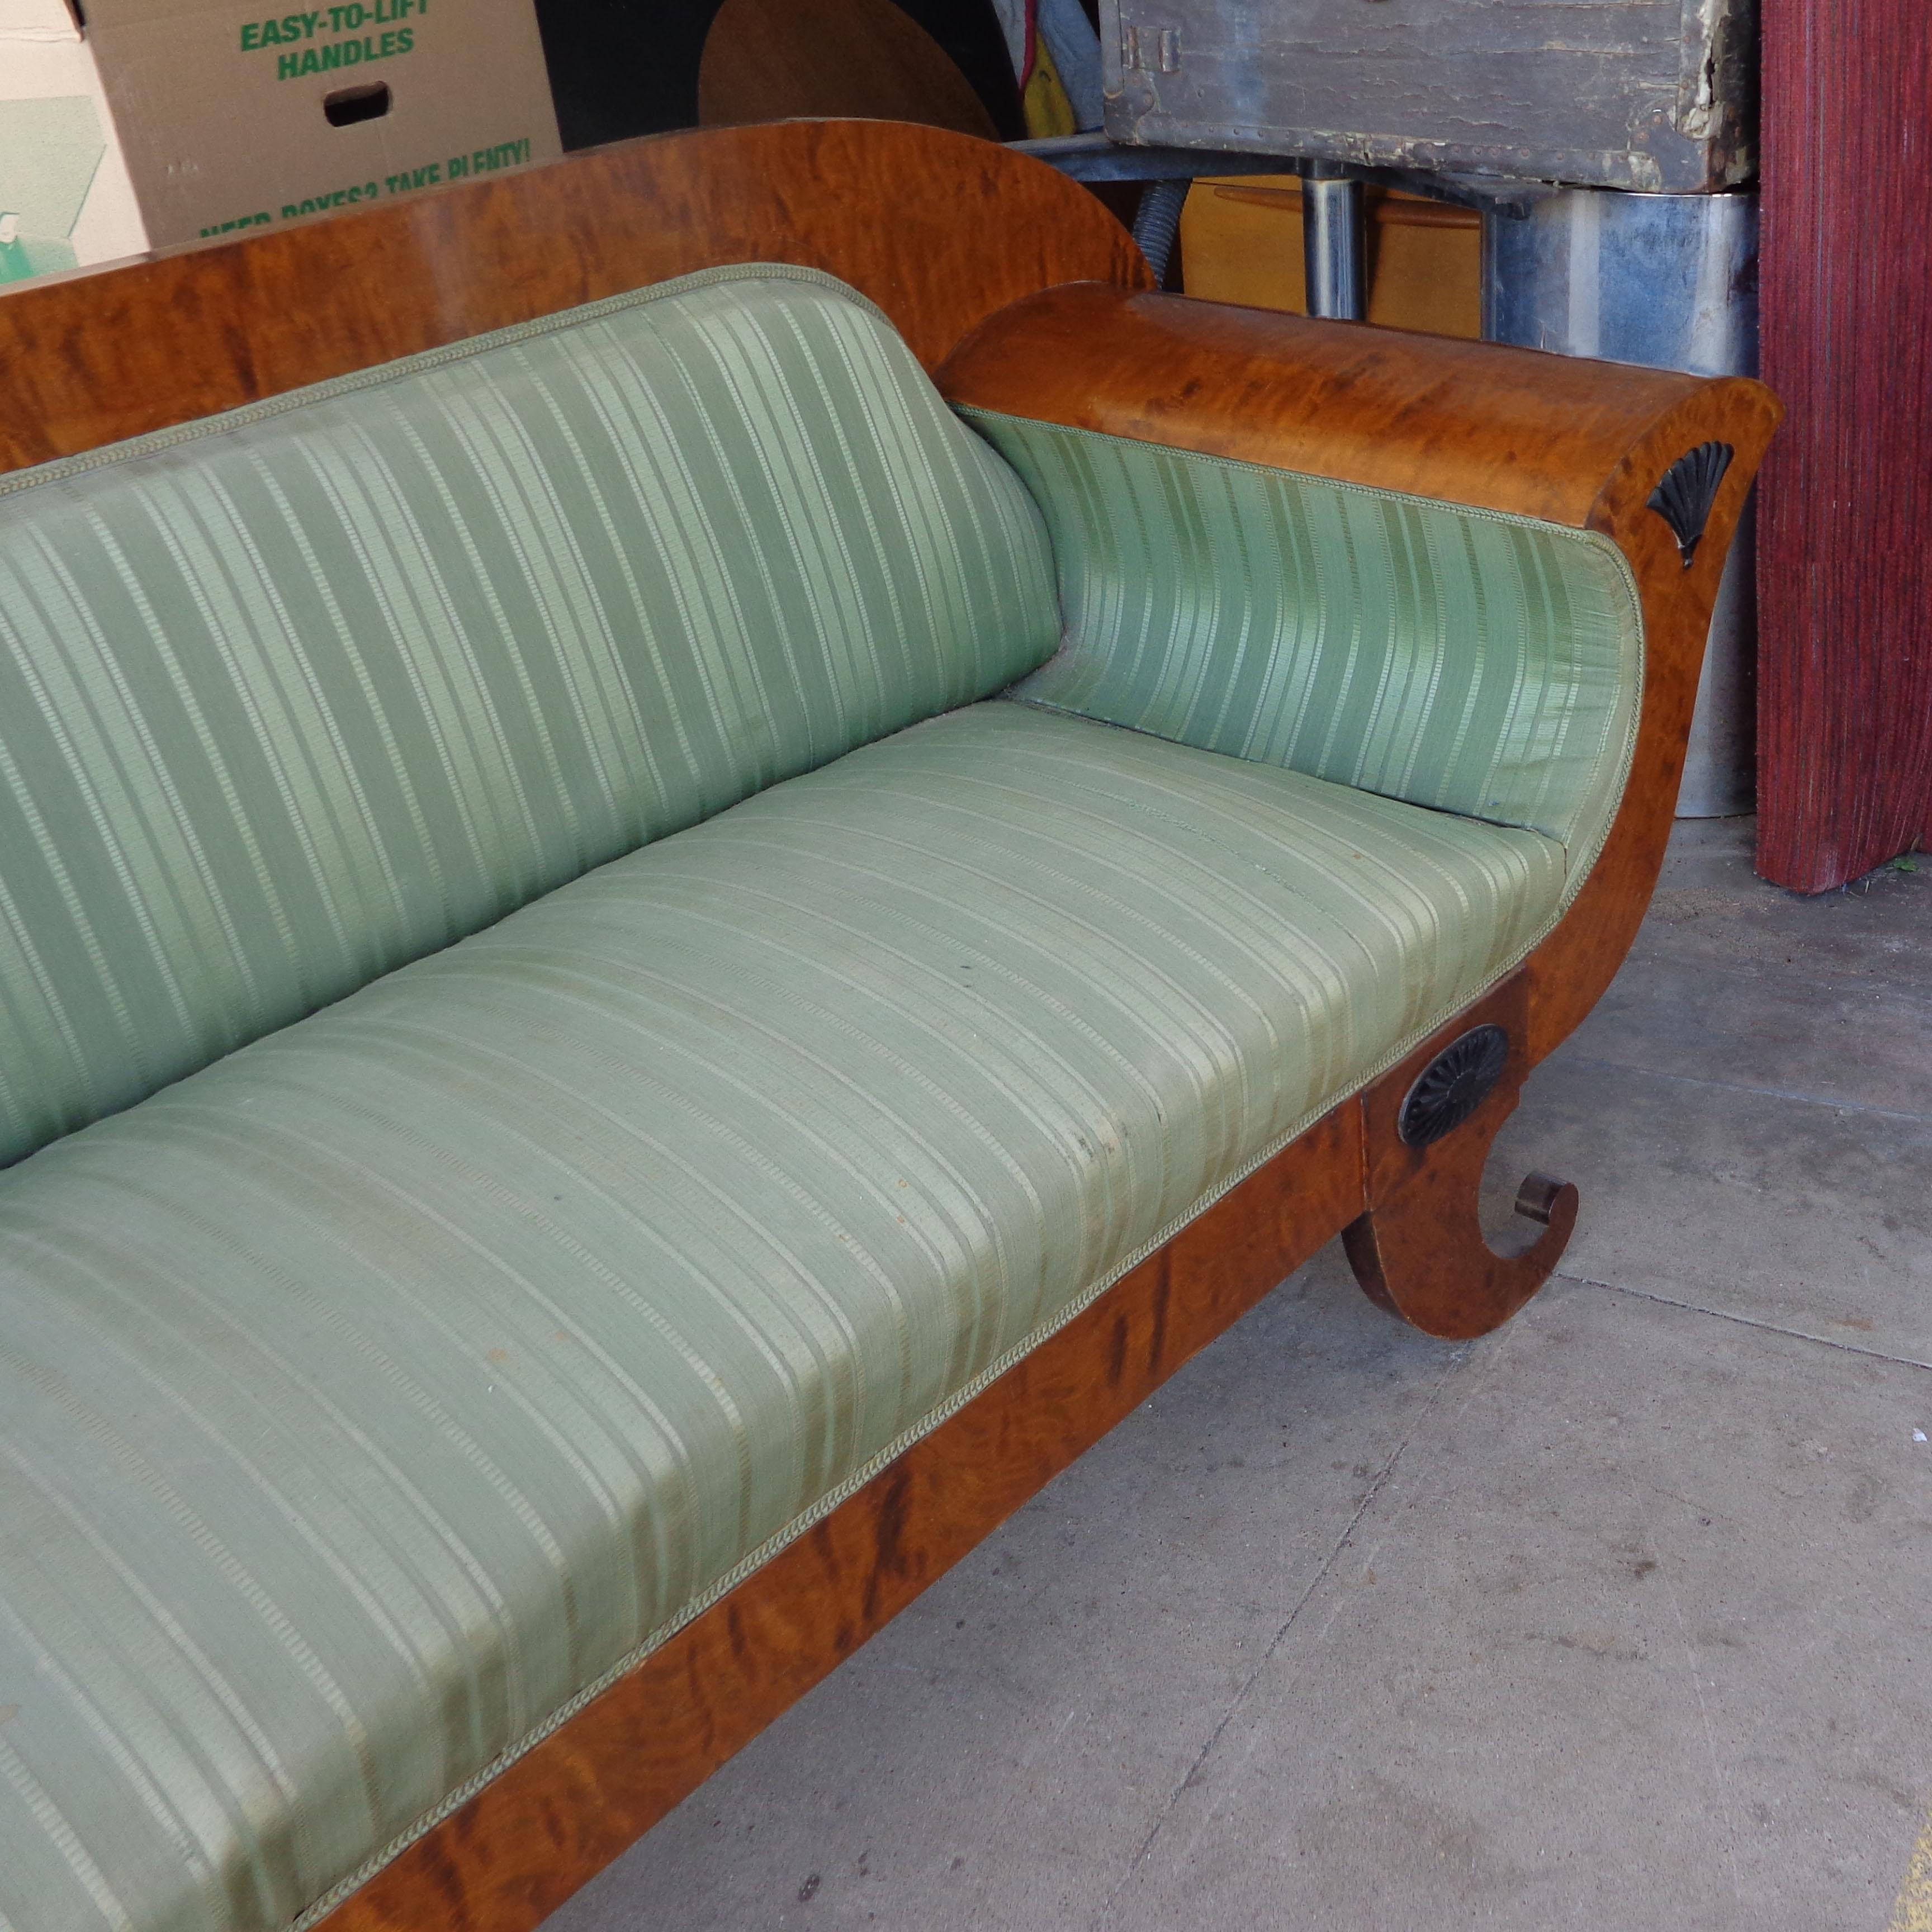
(368, 1396)
(1480, 664)
(297, 693)
(433, 1338)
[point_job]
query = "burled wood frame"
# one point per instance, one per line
(1023, 294)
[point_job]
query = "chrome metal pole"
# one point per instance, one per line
(1334, 252)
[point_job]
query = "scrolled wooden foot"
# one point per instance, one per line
(1419, 1251)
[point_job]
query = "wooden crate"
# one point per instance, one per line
(1655, 95)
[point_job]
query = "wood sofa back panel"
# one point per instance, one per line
(938, 228)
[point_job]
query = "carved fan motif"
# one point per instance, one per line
(1690, 486)
(1453, 1085)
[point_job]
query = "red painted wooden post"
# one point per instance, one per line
(1845, 529)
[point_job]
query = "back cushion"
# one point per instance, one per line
(296, 695)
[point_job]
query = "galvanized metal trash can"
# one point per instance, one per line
(1670, 281)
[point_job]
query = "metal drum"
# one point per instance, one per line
(1670, 281)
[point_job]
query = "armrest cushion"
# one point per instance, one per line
(1474, 661)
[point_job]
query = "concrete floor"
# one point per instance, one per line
(1619, 1617)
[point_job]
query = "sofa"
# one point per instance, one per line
(651, 957)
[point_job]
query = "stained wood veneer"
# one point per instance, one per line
(938, 228)
(1418, 1249)
(1468, 422)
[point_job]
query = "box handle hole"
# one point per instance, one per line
(348, 105)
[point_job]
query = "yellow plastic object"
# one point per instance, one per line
(1049, 111)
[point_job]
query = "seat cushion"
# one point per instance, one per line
(368, 1397)
(294, 694)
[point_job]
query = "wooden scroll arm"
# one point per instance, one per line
(1659, 463)
(1580, 443)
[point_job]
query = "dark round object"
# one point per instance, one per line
(1453, 1085)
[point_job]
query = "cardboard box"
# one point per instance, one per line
(143, 123)
(1240, 241)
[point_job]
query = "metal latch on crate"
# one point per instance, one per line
(1150, 50)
